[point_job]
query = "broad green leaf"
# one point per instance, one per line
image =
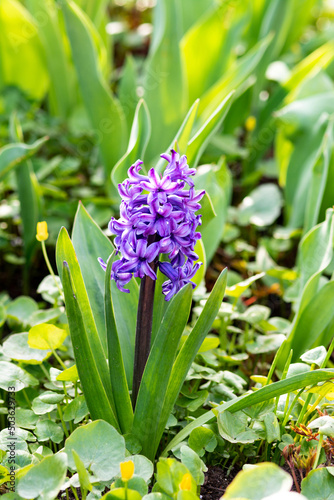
(99, 402)
(202, 437)
(182, 136)
(266, 393)
(201, 138)
(90, 243)
(318, 484)
(217, 182)
(82, 472)
(76, 410)
(69, 375)
(152, 391)
(315, 356)
(193, 463)
(100, 448)
(261, 207)
(325, 425)
(232, 79)
(312, 320)
(122, 494)
(272, 427)
(127, 90)
(213, 27)
(45, 479)
(116, 366)
(103, 109)
(233, 428)
(190, 348)
(65, 252)
(238, 289)
(13, 376)
(259, 481)
(21, 51)
(46, 336)
(17, 347)
(51, 35)
(139, 138)
(47, 429)
(13, 154)
(265, 343)
(164, 81)
(20, 310)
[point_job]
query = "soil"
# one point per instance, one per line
(216, 481)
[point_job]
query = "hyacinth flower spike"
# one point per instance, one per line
(157, 216)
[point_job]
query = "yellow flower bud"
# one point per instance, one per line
(185, 484)
(42, 231)
(250, 123)
(127, 470)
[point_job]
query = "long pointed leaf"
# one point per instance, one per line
(264, 394)
(191, 347)
(65, 252)
(104, 111)
(157, 371)
(95, 394)
(116, 365)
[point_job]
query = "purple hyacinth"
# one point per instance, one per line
(157, 216)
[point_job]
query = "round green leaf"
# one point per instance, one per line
(100, 447)
(45, 479)
(261, 207)
(51, 397)
(25, 418)
(267, 343)
(69, 375)
(46, 336)
(16, 347)
(143, 466)
(20, 310)
(325, 425)
(40, 408)
(259, 481)
(318, 484)
(13, 376)
(47, 429)
(315, 356)
(122, 494)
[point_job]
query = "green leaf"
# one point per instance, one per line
(325, 425)
(233, 427)
(318, 484)
(127, 90)
(202, 437)
(139, 138)
(47, 429)
(190, 348)
(100, 406)
(152, 391)
(13, 376)
(16, 347)
(266, 393)
(69, 375)
(45, 479)
(21, 52)
(51, 34)
(100, 448)
(272, 427)
(258, 482)
(232, 79)
(201, 138)
(164, 81)
(13, 154)
(65, 252)
(238, 289)
(261, 207)
(46, 336)
(193, 463)
(76, 410)
(28, 192)
(116, 366)
(122, 494)
(21, 310)
(217, 182)
(103, 109)
(82, 472)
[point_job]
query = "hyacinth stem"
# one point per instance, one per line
(143, 330)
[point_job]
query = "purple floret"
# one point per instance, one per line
(157, 216)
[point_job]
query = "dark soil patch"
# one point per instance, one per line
(216, 481)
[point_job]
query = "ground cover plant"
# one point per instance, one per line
(166, 239)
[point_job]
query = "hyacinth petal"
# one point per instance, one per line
(152, 251)
(149, 271)
(102, 263)
(141, 248)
